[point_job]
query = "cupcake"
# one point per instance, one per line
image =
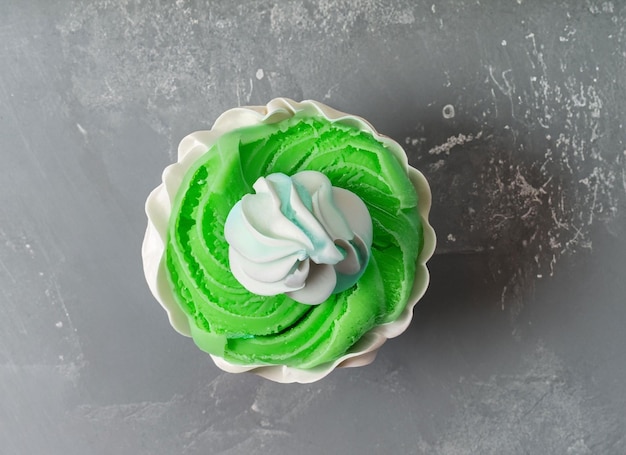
(288, 240)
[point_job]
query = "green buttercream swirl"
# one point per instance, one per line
(228, 321)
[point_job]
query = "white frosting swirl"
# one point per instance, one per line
(298, 235)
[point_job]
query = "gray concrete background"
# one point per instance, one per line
(514, 110)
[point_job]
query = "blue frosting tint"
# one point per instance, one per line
(285, 187)
(298, 235)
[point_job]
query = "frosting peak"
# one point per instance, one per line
(298, 235)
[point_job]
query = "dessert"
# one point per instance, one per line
(289, 239)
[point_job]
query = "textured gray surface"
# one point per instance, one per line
(513, 109)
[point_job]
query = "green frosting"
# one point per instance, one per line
(228, 321)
